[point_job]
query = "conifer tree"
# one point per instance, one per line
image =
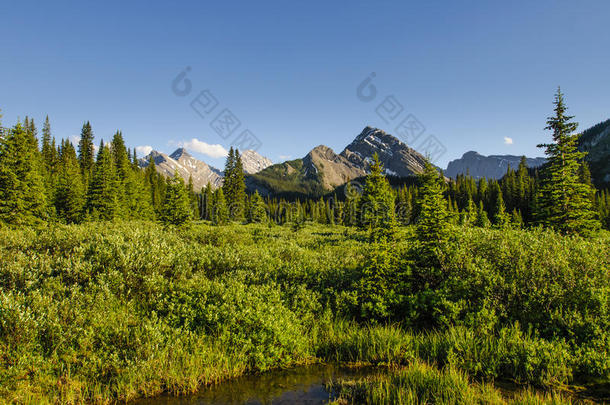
(155, 184)
(482, 218)
(433, 223)
(257, 209)
(22, 194)
(500, 217)
(207, 202)
(564, 199)
(350, 213)
(220, 212)
(125, 185)
(49, 153)
(193, 198)
(516, 219)
(86, 152)
(376, 205)
(70, 192)
(102, 195)
(471, 212)
(234, 186)
(176, 208)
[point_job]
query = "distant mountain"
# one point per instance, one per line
(397, 158)
(186, 165)
(199, 171)
(596, 141)
(322, 170)
(491, 167)
(253, 162)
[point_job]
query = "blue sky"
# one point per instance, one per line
(473, 73)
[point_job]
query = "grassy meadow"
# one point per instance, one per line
(105, 312)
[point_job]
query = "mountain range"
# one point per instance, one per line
(492, 166)
(200, 172)
(322, 170)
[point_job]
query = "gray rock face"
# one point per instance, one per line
(398, 159)
(199, 171)
(253, 162)
(322, 170)
(331, 169)
(186, 165)
(596, 142)
(491, 167)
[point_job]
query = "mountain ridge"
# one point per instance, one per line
(491, 166)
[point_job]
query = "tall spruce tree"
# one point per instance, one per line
(257, 211)
(432, 228)
(564, 199)
(177, 204)
(22, 194)
(49, 153)
(207, 201)
(70, 191)
(155, 184)
(234, 186)
(220, 212)
(500, 218)
(102, 195)
(376, 205)
(86, 152)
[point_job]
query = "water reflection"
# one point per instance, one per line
(302, 385)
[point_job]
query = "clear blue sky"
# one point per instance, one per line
(472, 72)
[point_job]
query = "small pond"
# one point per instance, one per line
(301, 385)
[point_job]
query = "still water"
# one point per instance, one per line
(302, 385)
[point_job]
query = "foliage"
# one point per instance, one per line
(376, 205)
(113, 311)
(176, 209)
(22, 196)
(565, 200)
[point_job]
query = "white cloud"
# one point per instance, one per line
(143, 150)
(284, 157)
(75, 139)
(508, 141)
(215, 151)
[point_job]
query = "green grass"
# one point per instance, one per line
(420, 383)
(116, 311)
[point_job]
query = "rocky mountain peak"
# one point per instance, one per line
(253, 162)
(180, 153)
(492, 166)
(397, 158)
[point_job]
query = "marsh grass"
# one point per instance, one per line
(116, 311)
(420, 383)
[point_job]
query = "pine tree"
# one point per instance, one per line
(22, 194)
(102, 194)
(564, 200)
(86, 152)
(500, 217)
(207, 202)
(176, 208)
(257, 209)
(471, 212)
(376, 205)
(234, 186)
(516, 219)
(433, 223)
(482, 219)
(193, 198)
(70, 192)
(220, 214)
(49, 153)
(155, 184)
(125, 184)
